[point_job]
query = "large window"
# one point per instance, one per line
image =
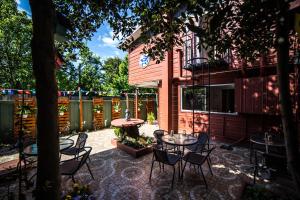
(221, 98)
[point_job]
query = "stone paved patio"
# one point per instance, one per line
(119, 176)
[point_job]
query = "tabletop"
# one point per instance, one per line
(63, 144)
(122, 122)
(179, 139)
(260, 139)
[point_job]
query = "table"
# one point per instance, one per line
(179, 139)
(129, 127)
(64, 144)
(261, 140)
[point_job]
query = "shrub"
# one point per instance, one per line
(150, 117)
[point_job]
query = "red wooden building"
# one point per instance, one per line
(243, 97)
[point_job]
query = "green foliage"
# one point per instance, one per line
(78, 192)
(247, 26)
(62, 108)
(117, 107)
(140, 105)
(98, 108)
(137, 143)
(25, 110)
(115, 72)
(15, 52)
(118, 133)
(150, 117)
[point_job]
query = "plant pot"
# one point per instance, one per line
(61, 113)
(150, 122)
(25, 116)
(98, 111)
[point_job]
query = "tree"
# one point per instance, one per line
(115, 72)
(85, 19)
(15, 54)
(91, 70)
(249, 27)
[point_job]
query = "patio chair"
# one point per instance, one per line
(202, 143)
(71, 166)
(79, 146)
(161, 156)
(201, 146)
(198, 159)
(270, 163)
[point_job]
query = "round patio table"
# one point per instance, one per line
(179, 139)
(129, 127)
(261, 140)
(64, 144)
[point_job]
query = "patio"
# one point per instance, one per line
(120, 176)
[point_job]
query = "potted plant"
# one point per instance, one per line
(78, 191)
(98, 108)
(62, 109)
(140, 104)
(117, 107)
(24, 110)
(150, 117)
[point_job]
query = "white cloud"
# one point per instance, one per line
(18, 2)
(108, 41)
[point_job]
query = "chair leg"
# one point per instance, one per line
(209, 166)
(203, 176)
(183, 169)
(151, 169)
(173, 177)
(90, 170)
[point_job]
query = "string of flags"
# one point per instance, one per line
(60, 93)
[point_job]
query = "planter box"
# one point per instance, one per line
(130, 150)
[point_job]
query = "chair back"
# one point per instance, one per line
(160, 155)
(81, 140)
(203, 140)
(158, 136)
(85, 155)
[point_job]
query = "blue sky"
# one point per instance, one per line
(101, 44)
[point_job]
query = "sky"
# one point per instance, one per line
(101, 44)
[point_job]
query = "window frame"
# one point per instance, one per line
(203, 111)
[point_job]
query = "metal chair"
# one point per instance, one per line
(71, 166)
(269, 163)
(161, 156)
(79, 146)
(197, 159)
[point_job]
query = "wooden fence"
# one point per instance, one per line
(69, 121)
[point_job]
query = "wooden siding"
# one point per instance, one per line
(138, 75)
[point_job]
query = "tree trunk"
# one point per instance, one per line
(288, 122)
(48, 179)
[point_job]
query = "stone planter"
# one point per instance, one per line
(61, 113)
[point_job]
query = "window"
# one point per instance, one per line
(221, 98)
(200, 99)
